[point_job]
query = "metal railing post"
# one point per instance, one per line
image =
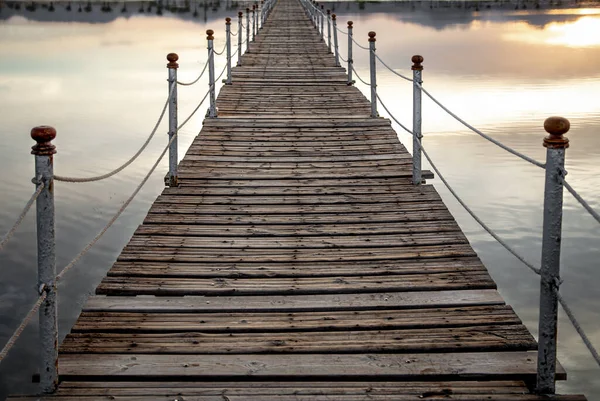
(373, 63)
(171, 179)
(46, 255)
(247, 29)
(228, 46)
(253, 22)
(350, 61)
(212, 110)
(417, 69)
(335, 41)
(315, 14)
(261, 7)
(329, 30)
(322, 22)
(555, 145)
(240, 34)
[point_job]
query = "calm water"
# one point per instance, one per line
(99, 78)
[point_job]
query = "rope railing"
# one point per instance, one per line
(22, 215)
(579, 199)
(128, 162)
(359, 45)
(475, 217)
(19, 330)
(359, 78)
(195, 80)
(73, 262)
(221, 52)
(392, 70)
(578, 328)
(392, 116)
(475, 130)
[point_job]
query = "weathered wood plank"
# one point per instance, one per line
(483, 366)
(297, 303)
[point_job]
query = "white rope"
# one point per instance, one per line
(341, 57)
(234, 53)
(578, 328)
(119, 169)
(392, 116)
(340, 31)
(390, 68)
(13, 339)
(576, 196)
(359, 45)
(234, 34)
(193, 112)
(489, 138)
(128, 201)
(221, 52)
(477, 219)
(197, 79)
(359, 78)
(221, 74)
(33, 198)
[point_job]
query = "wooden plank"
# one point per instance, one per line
(479, 338)
(117, 285)
(294, 303)
(134, 322)
(311, 269)
(483, 366)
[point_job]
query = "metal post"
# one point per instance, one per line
(239, 53)
(228, 46)
(417, 69)
(212, 111)
(44, 173)
(329, 30)
(247, 29)
(171, 178)
(322, 22)
(373, 74)
(314, 14)
(335, 41)
(261, 8)
(253, 21)
(555, 145)
(350, 61)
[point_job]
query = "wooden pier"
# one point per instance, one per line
(296, 261)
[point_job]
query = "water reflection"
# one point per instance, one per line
(99, 77)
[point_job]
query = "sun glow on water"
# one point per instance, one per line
(582, 33)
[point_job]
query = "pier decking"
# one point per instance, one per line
(296, 261)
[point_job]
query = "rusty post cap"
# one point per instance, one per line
(333, 17)
(417, 60)
(328, 12)
(172, 58)
(240, 14)
(210, 33)
(247, 10)
(350, 24)
(322, 7)
(372, 36)
(43, 135)
(556, 127)
(253, 7)
(227, 21)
